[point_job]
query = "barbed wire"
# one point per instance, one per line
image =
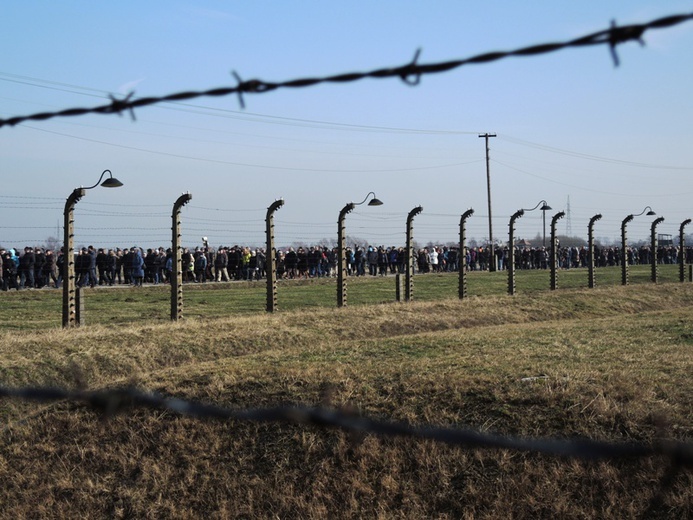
(409, 73)
(110, 402)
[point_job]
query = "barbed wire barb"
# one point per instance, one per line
(412, 71)
(241, 101)
(612, 37)
(619, 35)
(119, 106)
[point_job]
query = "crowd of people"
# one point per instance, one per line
(575, 257)
(39, 267)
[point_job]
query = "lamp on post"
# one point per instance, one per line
(544, 208)
(341, 239)
(71, 317)
(624, 243)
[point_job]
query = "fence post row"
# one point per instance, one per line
(554, 250)
(461, 255)
(271, 259)
(177, 260)
(71, 311)
(409, 289)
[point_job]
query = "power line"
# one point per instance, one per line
(581, 155)
(248, 165)
(235, 114)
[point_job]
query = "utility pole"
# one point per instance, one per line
(568, 221)
(492, 253)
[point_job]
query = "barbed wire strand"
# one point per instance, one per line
(110, 402)
(410, 73)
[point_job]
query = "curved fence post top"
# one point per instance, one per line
(275, 206)
(414, 212)
(182, 200)
(517, 215)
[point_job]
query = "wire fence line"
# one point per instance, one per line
(677, 456)
(110, 402)
(409, 73)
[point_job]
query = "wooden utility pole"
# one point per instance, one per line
(492, 253)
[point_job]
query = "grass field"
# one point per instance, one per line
(35, 310)
(611, 363)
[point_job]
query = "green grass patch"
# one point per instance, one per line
(611, 363)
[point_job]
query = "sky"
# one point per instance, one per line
(571, 128)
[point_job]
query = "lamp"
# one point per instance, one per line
(649, 213)
(375, 201)
(111, 182)
(341, 239)
(624, 254)
(544, 208)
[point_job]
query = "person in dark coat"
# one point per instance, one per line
(101, 266)
(111, 263)
(382, 261)
(150, 273)
(9, 272)
(91, 254)
(81, 267)
(200, 266)
(372, 259)
(187, 264)
(39, 260)
(126, 262)
(159, 265)
(49, 270)
(221, 262)
(291, 263)
(26, 268)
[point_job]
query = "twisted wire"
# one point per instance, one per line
(110, 402)
(409, 73)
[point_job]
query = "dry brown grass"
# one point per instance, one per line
(615, 365)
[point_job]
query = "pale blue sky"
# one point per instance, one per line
(569, 124)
